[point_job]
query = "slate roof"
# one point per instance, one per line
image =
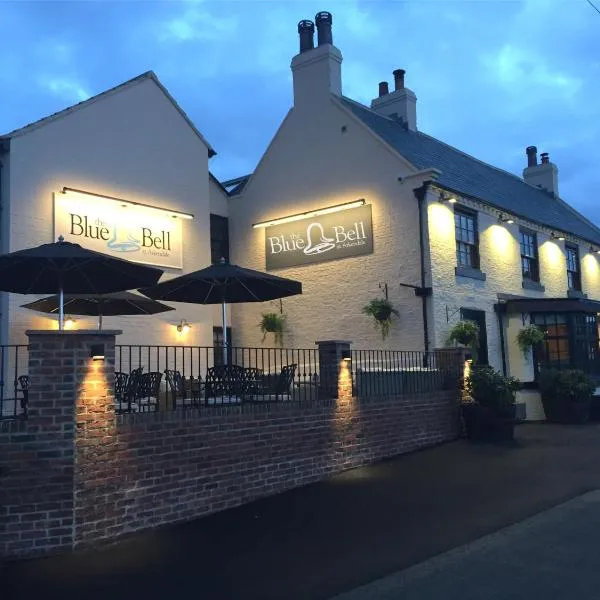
(235, 186)
(467, 175)
(121, 86)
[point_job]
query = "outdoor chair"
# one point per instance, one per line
(149, 390)
(120, 388)
(23, 381)
(275, 387)
(129, 395)
(225, 384)
(186, 391)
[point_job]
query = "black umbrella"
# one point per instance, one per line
(224, 284)
(69, 268)
(104, 305)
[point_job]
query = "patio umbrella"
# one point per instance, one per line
(103, 305)
(69, 268)
(224, 284)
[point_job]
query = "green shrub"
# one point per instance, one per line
(490, 388)
(566, 385)
(465, 333)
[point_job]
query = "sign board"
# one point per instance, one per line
(131, 231)
(331, 236)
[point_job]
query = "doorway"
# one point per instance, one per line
(478, 316)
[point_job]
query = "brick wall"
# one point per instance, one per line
(37, 457)
(180, 465)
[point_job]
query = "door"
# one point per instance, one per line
(478, 316)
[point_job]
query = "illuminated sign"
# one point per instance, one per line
(313, 239)
(131, 231)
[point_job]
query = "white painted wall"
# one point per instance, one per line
(131, 144)
(312, 163)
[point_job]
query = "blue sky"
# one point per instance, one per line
(491, 76)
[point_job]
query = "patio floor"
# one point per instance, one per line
(321, 540)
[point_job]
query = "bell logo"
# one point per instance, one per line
(324, 243)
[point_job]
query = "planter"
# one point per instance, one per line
(485, 424)
(567, 411)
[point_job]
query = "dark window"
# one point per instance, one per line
(218, 345)
(467, 240)
(529, 256)
(478, 316)
(219, 238)
(571, 341)
(573, 272)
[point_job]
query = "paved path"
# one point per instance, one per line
(331, 537)
(552, 556)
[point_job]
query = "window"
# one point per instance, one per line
(573, 272)
(571, 341)
(467, 242)
(529, 255)
(219, 238)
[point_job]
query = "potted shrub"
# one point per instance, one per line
(489, 415)
(566, 395)
(382, 311)
(273, 323)
(529, 337)
(465, 333)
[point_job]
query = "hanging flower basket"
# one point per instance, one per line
(273, 323)
(382, 311)
(530, 337)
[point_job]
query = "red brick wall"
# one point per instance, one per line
(169, 467)
(36, 458)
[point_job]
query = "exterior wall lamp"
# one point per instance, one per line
(502, 218)
(70, 323)
(183, 326)
(557, 236)
(97, 351)
(444, 198)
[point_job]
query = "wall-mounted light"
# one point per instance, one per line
(183, 326)
(502, 218)
(557, 236)
(443, 198)
(70, 323)
(97, 351)
(311, 213)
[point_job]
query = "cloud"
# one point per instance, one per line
(65, 88)
(198, 24)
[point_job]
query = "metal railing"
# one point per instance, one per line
(14, 381)
(149, 378)
(396, 372)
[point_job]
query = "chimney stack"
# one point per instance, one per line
(543, 175)
(399, 79)
(324, 20)
(306, 31)
(316, 71)
(401, 104)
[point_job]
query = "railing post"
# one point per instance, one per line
(335, 373)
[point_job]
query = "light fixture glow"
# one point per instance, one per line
(312, 213)
(97, 352)
(69, 323)
(183, 326)
(557, 236)
(125, 203)
(452, 200)
(502, 218)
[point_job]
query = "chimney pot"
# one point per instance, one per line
(545, 158)
(383, 88)
(324, 21)
(399, 79)
(306, 30)
(531, 156)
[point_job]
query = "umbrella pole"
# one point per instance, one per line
(224, 315)
(99, 321)
(61, 309)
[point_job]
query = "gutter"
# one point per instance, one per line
(420, 194)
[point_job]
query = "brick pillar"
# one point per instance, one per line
(40, 460)
(331, 366)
